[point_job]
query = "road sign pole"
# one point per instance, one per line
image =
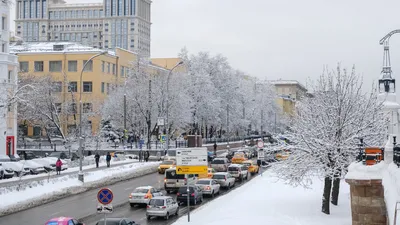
(188, 196)
(105, 219)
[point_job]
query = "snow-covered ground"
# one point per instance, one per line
(264, 200)
(72, 168)
(39, 192)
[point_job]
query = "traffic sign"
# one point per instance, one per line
(160, 122)
(105, 208)
(163, 138)
(192, 157)
(260, 144)
(105, 196)
(191, 169)
(261, 154)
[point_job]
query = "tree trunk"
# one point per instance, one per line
(336, 187)
(326, 195)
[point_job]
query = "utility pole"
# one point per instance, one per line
(227, 124)
(262, 112)
(125, 140)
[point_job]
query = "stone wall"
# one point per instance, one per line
(367, 202)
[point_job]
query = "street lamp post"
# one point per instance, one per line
(80, 174)
(167, 121)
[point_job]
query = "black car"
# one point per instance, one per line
(117, 221)
(27, 155)
(195, 195)
(64, 155)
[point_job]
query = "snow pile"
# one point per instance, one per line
(266, 200)
(40, 192)
(359, 171)
(391, 184)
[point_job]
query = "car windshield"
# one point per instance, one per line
(183, 190)
(246, 164)
(172, 175)
(218, 161)
(233, 168)
(218, 176)
(4, 158)
(156, 202)
(239, 155)
(203, 182)
(167, 163)
(141, 190)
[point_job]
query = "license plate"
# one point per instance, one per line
(184, 194)
(137, 197)
(170, 182)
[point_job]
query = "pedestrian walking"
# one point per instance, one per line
(147, 155)
(108, 159)
(97, 158)
(259, 165)
(215, 149)
(58, 166)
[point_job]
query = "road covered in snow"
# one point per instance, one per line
(265, 200)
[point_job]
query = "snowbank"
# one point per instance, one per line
(265, 200)
(40, 192)
(359, 171)
(391, 183)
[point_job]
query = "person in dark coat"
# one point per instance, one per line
(108, 159)
(97, 158)
(147, 155)
(215, 149)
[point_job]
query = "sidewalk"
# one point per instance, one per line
(15, 180)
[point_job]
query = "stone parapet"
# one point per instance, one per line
(367, 202)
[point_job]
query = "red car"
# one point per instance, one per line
(63, 221)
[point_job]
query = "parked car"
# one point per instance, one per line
(224, 179)
(6, 173)
(15, 158)
(195, 195)
(34, 167)
(162, 206)
(220, 164)
(116, 221)
(209, 186)
(18, 168)
(63, 221)
(28, 155)
(239, 172)
(173, 181)
(64, 155)
(49, 163)
(142, 195)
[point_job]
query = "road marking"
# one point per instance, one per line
(129, 188)
(54, 214)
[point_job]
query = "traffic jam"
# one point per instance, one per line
(183, 188)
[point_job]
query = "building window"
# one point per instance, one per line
(102, 66)
(72, 108)
(72, 66)
(57, 86)
(89, 65)
(122, 71)
(87, 107)
(55, 66)
(3, 23)
(38, 66)
(108, 67)
(24, 66)
(57, 107)
(87, 86)
(10, 76)
(73, 86)
(113, 69)
(3, 47)
(102, 87)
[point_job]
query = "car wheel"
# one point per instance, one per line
(212, 194)
(148, 217)
(177, 211)
(167, 216)
(229, 186)
(132, 204)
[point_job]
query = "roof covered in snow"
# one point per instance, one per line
(61, 3)
(287, 82)
(52, 47)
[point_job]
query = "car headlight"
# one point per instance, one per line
(159, 167)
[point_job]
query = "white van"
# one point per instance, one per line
(173, 181)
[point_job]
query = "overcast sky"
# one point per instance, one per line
(287, 39)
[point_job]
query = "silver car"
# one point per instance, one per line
(142, 195)
(224, 179)
(220, 164)
(209, 186)
(162, 206)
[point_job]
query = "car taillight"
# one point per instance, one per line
(146, 196)
(185, 180)
(192, 194)
(177, 194)
(148, 206)
(130, 196)
(163, 207)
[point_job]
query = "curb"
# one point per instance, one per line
(74, 190)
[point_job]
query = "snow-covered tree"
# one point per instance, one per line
(325, 131)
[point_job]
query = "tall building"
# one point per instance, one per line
(103, 24)
(288, 91)
(8, 85)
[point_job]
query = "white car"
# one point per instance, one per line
(225, 179)
(5, 173)
(49, 163)
(162, 206)
(34, 167)
(18, 168)
(209, 186)
(142, 195)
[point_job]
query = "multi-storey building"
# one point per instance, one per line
(288, 91)
(104, 24)
(64, 61)
(8, 85)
